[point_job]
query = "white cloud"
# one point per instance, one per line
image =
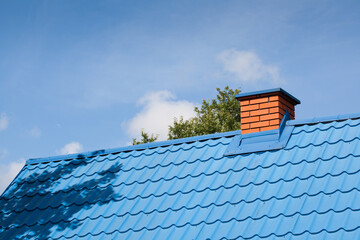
(248, 67)
(35, 132)
(8, 173)
(70, 148)
(4, 121)
(158, 112)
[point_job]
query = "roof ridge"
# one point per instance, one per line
(132, 148)
(315, 120)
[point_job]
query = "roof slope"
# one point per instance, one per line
(186, 189)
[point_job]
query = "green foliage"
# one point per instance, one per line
(145, 138)
(217, 115)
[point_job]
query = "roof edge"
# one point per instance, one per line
(315, 120)
(131, 148)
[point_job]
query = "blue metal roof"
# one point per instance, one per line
(188, 189)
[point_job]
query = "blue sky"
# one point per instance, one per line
(86, 75)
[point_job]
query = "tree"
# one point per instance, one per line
(145, 138)
(221, 114)
(217, 115)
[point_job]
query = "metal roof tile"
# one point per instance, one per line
(189, 189)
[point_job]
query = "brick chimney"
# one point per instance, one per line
(264, 110)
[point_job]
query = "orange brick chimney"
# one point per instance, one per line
(264, 110)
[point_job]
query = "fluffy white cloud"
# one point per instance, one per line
(8, 173)
(248, 67)
(4, 121)
(70, 148)
(35, 132)
(158, 112)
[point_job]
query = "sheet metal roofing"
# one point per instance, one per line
(188, 189)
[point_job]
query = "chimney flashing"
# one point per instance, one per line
(261, 141)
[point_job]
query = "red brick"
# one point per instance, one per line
(250, 119)
(268, 128)
(250, 107)
(284, 107)
(250, 130)
(275, 122)
(264, 112)
(286, 103)
(270, 116)
(245, 114)
(269, 105)
(259, 100)
(259, 124)
(289, 103)
(274, 110)
(283, 110)
(244, 102)
(259, 112)
(274, 98)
